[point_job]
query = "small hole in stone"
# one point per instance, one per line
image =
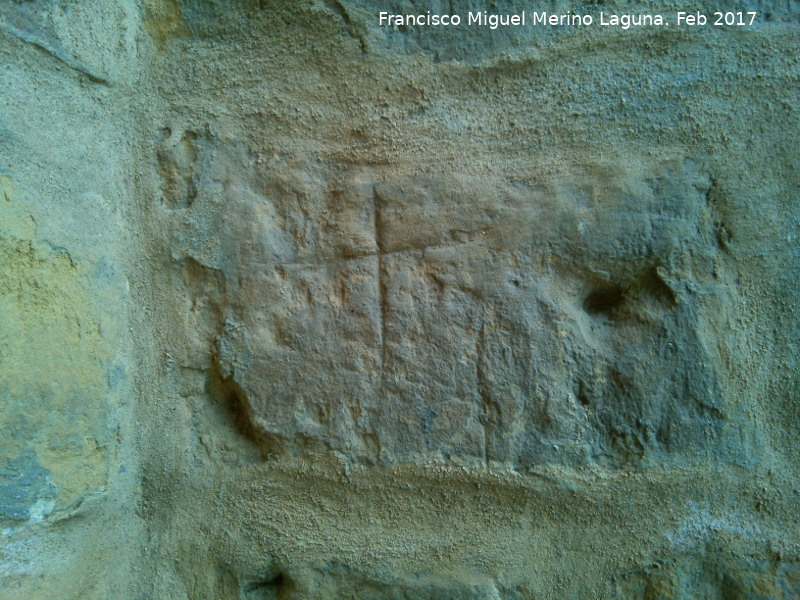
(604, 301)
(583, 396)
(515, 282)
(274, 588)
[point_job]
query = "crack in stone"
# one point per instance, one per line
(483, 391)
(377, 226)
(341, 11)
(380, 254)
(60, 56)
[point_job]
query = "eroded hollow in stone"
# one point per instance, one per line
(604, 300)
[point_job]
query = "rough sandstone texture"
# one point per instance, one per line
(296, 307)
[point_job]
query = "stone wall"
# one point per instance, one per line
(69, 476)
(297, 306)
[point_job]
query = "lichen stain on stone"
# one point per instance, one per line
(164, 21)
(26, 491)
(7, 191)
(52, 376)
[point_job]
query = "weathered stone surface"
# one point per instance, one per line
(338, 581)
(405, 318)
(68, 470)
(296, 306)
(26, 491)
(96, 39)
(713, 576)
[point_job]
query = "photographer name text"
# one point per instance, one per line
(546, 19)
